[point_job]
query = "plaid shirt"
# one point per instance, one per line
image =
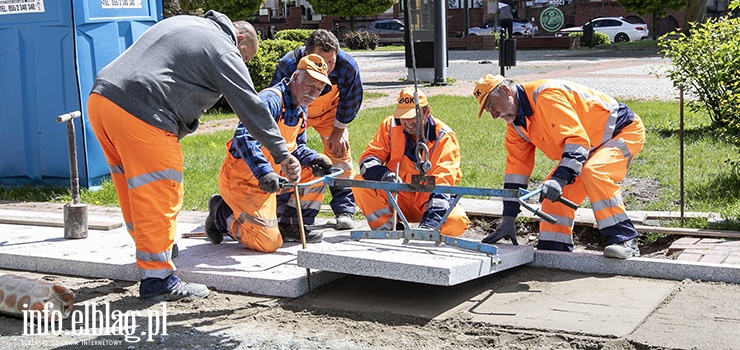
(346, 76)
(246, 147)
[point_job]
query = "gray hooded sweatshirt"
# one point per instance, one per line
(180, 67)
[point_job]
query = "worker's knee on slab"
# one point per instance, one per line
(455, 225)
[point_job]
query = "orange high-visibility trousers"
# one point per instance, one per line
(146, 168)
(605, 167)
(321, 115)
(255, 223)
(374, 205)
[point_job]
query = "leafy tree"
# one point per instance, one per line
(235, 9)
(351, 8)
(656, 8)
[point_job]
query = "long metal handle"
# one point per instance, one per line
(74, 179)
(334, 173)
(544, 216)
(301, 229)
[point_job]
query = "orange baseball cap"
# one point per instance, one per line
(484, 86)
(406, 107)
(316, 67)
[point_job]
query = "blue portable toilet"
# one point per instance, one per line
(50, 53)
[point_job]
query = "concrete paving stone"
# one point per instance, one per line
(710, 241)
(686, 241)
(524, 297)
(711, 323)
(731, 243)
(55, 219)
(111, 254)
(580, 305)
(417, 261)
(733, 259)
(715, 251)
(638, 267)
(713, 258)
(690, 256)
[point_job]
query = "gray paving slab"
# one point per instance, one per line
(580, 304)
(523, 298)
(698, 316)
(110, 254)
(21, 217)
(416, 261)
(639, 267)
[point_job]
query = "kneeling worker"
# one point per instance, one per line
(249, 177)
(394, 147)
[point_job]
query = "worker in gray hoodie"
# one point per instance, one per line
(150, 97)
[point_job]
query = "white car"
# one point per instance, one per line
(390, 31)
(521, 27)
(618, 29)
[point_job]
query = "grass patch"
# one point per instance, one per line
(384, 48)
(712, 183)
(370, 95)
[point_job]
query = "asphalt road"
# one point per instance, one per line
(638, 73)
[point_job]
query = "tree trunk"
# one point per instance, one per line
(696, 11)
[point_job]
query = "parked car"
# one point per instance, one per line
(617, 28)
(390, 30)
(521, 27)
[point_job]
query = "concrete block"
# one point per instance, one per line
(111, 254)
(417, 261)
(637, 267)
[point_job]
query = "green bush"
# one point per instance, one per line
(299, 35)
(599, 38)
(707, 63)
(262, 66)
(361, 40)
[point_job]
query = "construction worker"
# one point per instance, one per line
(592, 136)
(249, 177)
(331, 112)
(150, 97)
(391, 156)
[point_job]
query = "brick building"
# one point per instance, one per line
(278, 15)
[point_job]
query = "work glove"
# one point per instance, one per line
(272, 182)
(390, 177)
(552, 189)
(507, 228)
(320, 166)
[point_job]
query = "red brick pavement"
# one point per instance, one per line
(707, 250)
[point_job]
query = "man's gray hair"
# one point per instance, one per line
(508, 82)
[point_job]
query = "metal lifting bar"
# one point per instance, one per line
(434, 234)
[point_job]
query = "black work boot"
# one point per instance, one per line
(213, 233)
(292, 233)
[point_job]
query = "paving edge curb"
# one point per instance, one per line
(637, 267)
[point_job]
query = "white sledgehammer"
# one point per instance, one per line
(75, 213)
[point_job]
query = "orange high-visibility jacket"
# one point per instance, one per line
(568, 120)
(390, 149)
(444, 152)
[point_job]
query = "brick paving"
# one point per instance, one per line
(707, 250)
